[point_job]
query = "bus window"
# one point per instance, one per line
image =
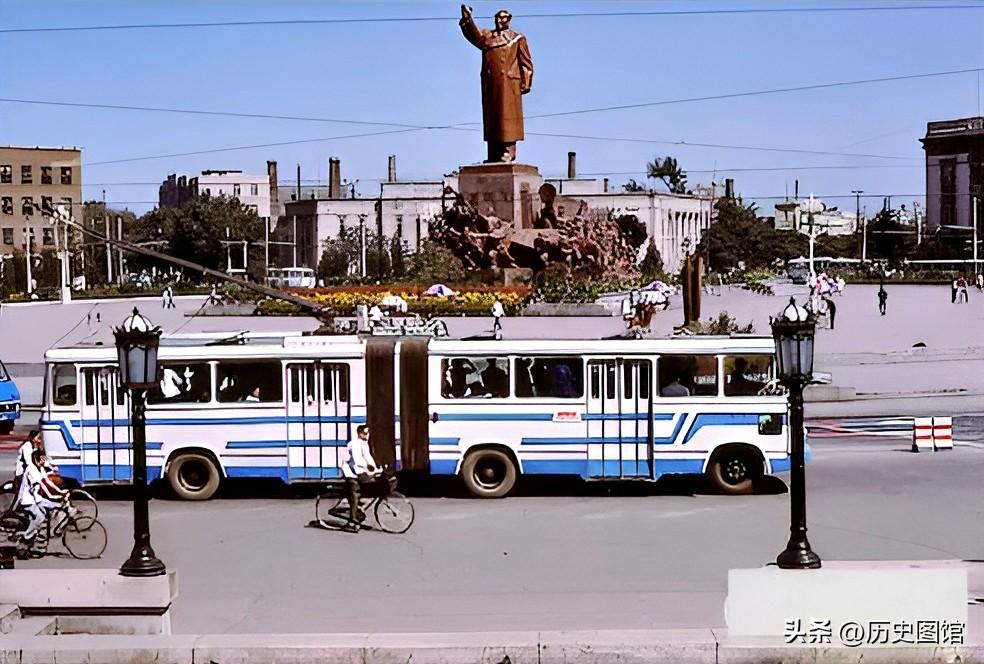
(549, 377)
(688, 376)
(183, 382)
(475, 378)
(250, 381)
(64, 385)
(335, 379)
(628, 380)
(745, 375)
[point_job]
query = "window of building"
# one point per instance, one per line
(67, 203)
(66, 175)
(7, 204)
(183, 382)
(64, 385)
(549, 377)
(47, 236)
(255, 209)
(948, 192)
(46, 205)
(46, 175)
(8, 236)
(250, 381)
(475, 378)
(399, 226)
(745, 375)
(6, 174)
(254, 190)
(208, 191)
(27, 206)
(688, 376)
(236, 190)
(26, 176)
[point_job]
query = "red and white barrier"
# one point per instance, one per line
(942, 433)
(922, 435)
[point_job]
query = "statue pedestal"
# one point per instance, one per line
(510, 191)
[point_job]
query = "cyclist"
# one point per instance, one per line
(33, 443)
(43, 497)
(359, 470)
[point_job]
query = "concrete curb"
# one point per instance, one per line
(595, 647)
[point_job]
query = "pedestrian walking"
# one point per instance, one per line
(831, 310)
(882, 299)
(980, 281)
(213, 297)
(953, 291)
(170, 296)
(164, 298)
(962, 289)
(498, 311)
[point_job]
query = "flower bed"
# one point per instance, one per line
(343, 301)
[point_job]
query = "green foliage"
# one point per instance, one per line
(632, 229)
(339, 257)
(398, 253)
(634, 187)
(558, 284)
(196, 231)
(434, 264)
(724, 324)
(739, 235)
(670, 173)
(651, 266)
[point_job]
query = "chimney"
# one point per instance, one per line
(729, 188)
(571, 171)
(605, 183)
(274, 190)
(391, 169)
(334, 178)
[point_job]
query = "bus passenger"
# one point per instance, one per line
(675, 389)
(739, 384)
(359, 469)
(495, 380)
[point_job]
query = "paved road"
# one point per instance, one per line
(560, 556)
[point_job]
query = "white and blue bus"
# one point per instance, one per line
(284, 406)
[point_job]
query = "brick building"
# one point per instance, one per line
(33, 179)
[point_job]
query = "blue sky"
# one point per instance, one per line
(425, 73)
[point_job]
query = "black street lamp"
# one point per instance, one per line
(136, 345)
(793, 331)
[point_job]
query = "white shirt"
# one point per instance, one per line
(24, 458)
(359, 458)
(30, 485)
(498, 310)
(375, 314)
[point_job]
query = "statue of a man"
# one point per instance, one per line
(507, 75)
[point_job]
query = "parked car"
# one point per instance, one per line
(10, 401)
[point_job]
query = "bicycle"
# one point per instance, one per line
(81, 532)
(392, 511)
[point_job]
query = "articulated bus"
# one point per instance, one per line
(284, 406)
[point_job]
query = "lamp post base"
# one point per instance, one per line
(798, 556)
(143, 562)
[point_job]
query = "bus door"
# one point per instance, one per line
(104, 426)
(318, 419)
(619, 418)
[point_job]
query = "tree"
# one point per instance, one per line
(739, 235)
(633, 186)
(632, 229)
(196, 231)
(670, 173)
(398, 252)
(339, 256)
(651, 266)
(434, 264)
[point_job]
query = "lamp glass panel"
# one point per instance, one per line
(806, 355)
(121, 355)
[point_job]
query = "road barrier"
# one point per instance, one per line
(932, 433)
(942, 433)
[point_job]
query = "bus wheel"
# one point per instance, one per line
(193, 476)
(489, 473)
(733, 471)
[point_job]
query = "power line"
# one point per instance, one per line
(567, 15)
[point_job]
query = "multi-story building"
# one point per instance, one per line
(34, 180)
(404, 209)
(792, 216)
(954, 171)
(253, 191)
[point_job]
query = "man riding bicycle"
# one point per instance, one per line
(360, 470)
(42, 497)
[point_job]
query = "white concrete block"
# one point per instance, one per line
(695, 646)
(85, 588)
(760, 601)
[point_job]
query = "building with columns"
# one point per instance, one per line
(954, 171)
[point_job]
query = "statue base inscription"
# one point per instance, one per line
(508, 191)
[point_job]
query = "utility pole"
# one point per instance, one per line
(266, 248)
(293, 237)
(109, 248)
(119, 236)
(362, 244)
(974, 213)
(857, 198)
(298, 193)
(864, 238)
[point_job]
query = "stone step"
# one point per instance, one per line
(9, 615)
(34, 626)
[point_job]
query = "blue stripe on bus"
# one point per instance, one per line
(780, 465)
(444, 441)
(168, 421)
(257, 471)
(720, 419)
(72, 444)
(627, 416)
(313, 472)
(519, 417)
(443, 466)
(249, 444)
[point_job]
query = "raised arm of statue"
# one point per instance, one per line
(525, 66)
(468, 28)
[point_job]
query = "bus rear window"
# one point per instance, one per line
(64, 385)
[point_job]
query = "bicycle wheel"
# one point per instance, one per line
(85, 544)
(394, 513)
(87, 510)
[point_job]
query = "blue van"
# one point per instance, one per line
(10, 401)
